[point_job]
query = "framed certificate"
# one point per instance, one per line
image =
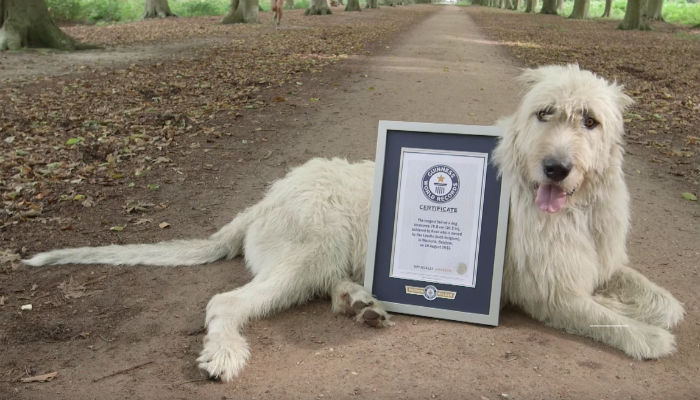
(438, 222)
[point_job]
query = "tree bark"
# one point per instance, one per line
(372, 4)
(289, 4)
(654, 8)
(515, 5)
(634, 16)
(580, 9)
(157, 9)
(353, 5)
(560, 6)
(531, 5)
(318, 7)
(242, 11)
(549, 7)
(608, 7)
(26, 23)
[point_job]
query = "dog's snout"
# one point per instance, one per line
(555, 169)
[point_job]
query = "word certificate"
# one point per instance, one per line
(439, 207)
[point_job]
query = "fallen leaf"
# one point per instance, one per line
(116, 228)
(153, 186)
(689, 196)
(40, 378)
(74, 140)
(164, 225)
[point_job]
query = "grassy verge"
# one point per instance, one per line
(674, 12)
(94, 11)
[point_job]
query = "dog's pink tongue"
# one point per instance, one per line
(550, 198)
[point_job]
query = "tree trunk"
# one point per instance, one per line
(318, 7)
(157, 9)
(580, 9)
(242, 11)
(531, 5)
(654, 8)
(549, 7)
(560, 6)
(608, 7)
(26, 23)
(515, 5)
(372, 4)
(353, 5)
(289, 4)
(634, 16)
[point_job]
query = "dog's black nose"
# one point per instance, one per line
(555, 169)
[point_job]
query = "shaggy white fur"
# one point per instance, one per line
(566, 261)
(566, 258)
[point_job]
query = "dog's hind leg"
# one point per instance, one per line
(349, 298)
(581, 314)
(632, 294)
(225, 351)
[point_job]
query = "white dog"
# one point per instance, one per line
(566, 261)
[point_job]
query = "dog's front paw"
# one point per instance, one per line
(672, 312)
(223, 356)
(650, 342)
(374, 315)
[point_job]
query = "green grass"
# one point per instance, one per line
(105, 11)
(675, 12)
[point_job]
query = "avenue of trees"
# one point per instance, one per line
(638, 13)
(27, 23)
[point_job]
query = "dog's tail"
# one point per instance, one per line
(227, 242)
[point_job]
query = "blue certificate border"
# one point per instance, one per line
(480, 304)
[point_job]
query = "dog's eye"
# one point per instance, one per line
(544, 114)
(590, 122)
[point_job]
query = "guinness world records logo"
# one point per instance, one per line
(440, 183)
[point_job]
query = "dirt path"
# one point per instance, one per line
(135, 332)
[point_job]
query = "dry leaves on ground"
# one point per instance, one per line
(65, 137)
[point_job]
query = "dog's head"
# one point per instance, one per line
(566, 132)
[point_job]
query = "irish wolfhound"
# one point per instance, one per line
(566, 262)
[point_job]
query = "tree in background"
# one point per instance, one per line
(26, 23)
(530, 6)
(608, 7)
(318, 7)
(372, 4)
(549, 7)
(635, 17)
(157, 9)
(242, 11)
(654, 8)
(580, 9)
(289, 4)
(353, 5)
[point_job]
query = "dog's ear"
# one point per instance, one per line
(622, 100)
(531, 76)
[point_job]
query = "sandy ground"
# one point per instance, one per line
(135, 332)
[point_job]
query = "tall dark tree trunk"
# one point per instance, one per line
(242, 11)
(26, 23)
(608, 7)
(318, 7)
(549, 7)
(157, 9)
(634, 16)
(353, 5)
(654, 8)
(530, 6)
(580, 9)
